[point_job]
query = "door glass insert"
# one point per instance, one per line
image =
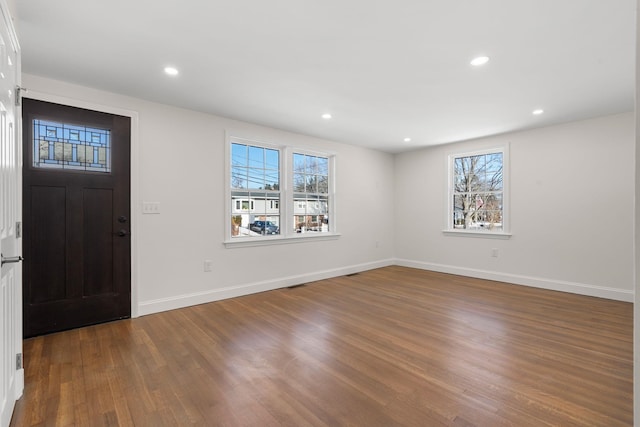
(65, 146)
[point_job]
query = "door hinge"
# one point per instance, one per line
(18, 361)
(19, 92)
(18, 229)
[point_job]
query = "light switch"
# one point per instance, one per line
(150, 207)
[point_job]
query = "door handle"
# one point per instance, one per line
(9, 260)
(122, 232)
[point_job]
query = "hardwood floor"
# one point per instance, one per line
(387, 347)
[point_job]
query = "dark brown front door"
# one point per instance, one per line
(76, 212)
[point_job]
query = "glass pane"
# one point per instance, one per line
(311, 185)
(483, 183)
(457, 166)
(272, 205)
(493, 202)
(258, 204)
(323, 184)
(464, 164)
(323, 205)
(494, 180)
(494, 220)
(324, 219)
(59, 145)
(239, 213)
(265, 226)
(239, 155)
(272, 159)
(239, 177)
(256, 179)
(312, 165)
(478, 164)
(494, 163)
(239, 202)
(299, 204)
(460, 203)
(298, 182)
(313, 206)
(272, 180)
(499, 200)
(323, 166)
(311, 223)
(298, 163)
(256, 157)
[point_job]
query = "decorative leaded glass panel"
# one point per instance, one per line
(71, 147)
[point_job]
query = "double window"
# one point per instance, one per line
(278, 191)
(477, 192)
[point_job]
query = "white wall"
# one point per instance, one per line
(179, 162)
(572, 202)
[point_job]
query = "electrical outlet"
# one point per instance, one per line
(494, 252)
(208, 266)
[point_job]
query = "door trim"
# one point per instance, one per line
(134, 171)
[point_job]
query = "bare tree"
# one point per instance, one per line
(237, 180)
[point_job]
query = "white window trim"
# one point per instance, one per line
(505, 233)
(286, 208)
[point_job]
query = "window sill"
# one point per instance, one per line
(243, 242)
(478, 234)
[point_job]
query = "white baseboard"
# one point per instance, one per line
(19, 383)
(536, 282)
(186, 300)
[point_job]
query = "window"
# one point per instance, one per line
(255, 190)
(477, 192)
(311, 193)
(278, 192)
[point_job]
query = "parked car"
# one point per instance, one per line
(264, 227)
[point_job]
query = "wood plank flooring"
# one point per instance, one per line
(388, 347)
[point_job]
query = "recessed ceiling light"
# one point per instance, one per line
(172, 71)
(407, 140)
(480, 60)
(326, 116)
(537, 112)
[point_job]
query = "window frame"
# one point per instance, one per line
(286, 202)
(505, 232)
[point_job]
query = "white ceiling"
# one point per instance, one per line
(384, 69)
